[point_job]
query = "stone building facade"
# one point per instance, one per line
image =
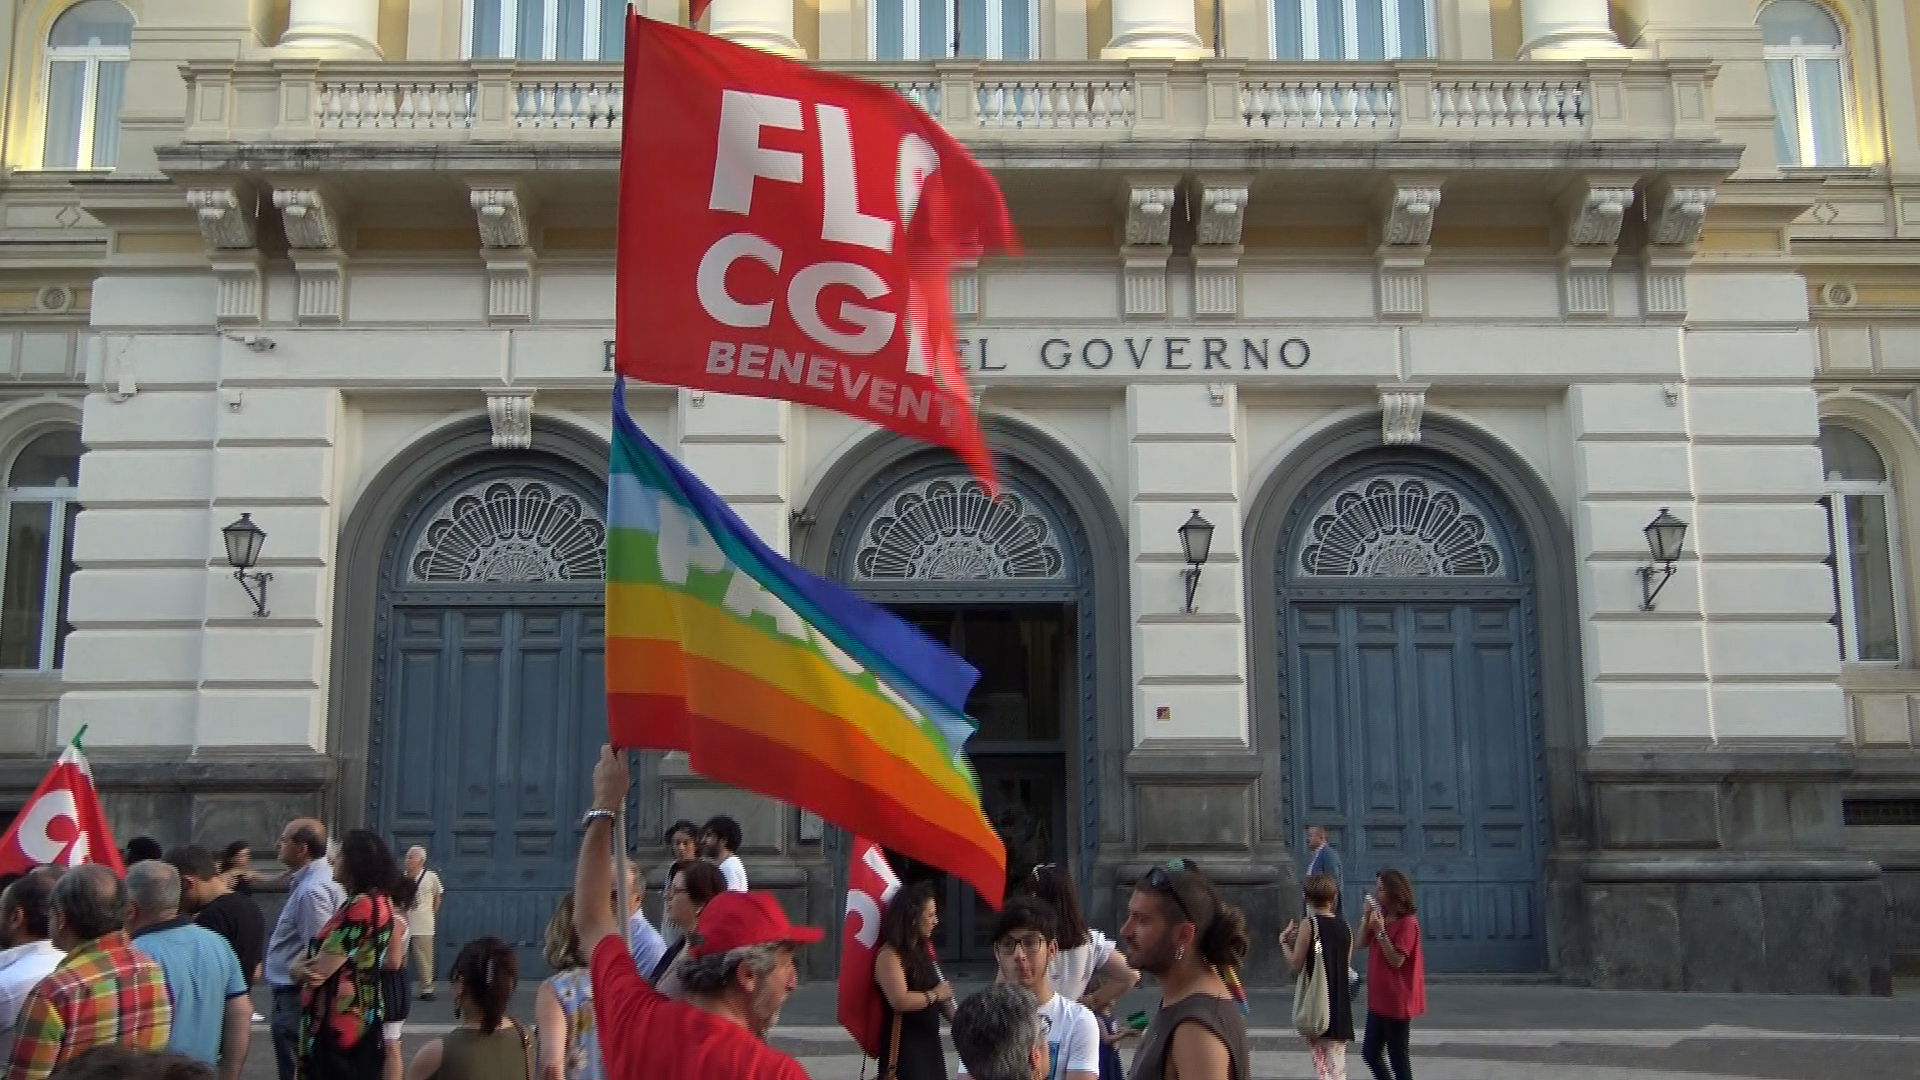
(1428, 307)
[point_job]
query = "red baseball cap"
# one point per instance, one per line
(737, 920)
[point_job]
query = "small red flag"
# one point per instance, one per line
(786, 232)
(695, 9)
(870, 884)
(63, 823)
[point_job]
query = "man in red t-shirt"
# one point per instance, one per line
(738, 974)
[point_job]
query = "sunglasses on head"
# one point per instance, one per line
(1160, 880)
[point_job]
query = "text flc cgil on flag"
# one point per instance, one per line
(791, 233)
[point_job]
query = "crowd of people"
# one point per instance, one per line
(150, 974)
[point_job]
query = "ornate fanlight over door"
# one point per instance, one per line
(510, 531)
(950, 528)
(1400, 525)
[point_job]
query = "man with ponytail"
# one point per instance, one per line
(1179, 931)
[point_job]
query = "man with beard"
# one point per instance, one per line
(720, 844)
(1179, 931)
(739, 972)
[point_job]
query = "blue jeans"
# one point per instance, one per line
(284, 1022)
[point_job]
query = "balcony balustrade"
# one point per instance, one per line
(283, 101)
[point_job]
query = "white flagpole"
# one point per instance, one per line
(624, 901)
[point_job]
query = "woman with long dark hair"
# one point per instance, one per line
(340, 1037)
(396, 990)
(1396, 975)
(1088, 967)
(487, 1044)
(910, 987)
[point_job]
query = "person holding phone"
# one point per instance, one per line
(1396, 975)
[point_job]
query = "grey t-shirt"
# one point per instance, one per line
(1221, 1016)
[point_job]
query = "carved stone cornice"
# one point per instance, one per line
(1149, 214)
(1677, 211)
(224, 216)
(1220, 209)
(502, 217)
(310, 221)
(1595, 216)
(1409, 213)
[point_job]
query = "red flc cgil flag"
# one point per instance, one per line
(786, 232)
(870, 884)
(63, 823)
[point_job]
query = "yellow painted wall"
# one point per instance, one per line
(269, 20)
(1913, 48)
(1505, 16)
(393, 29)
(806, 26)
(1099, 25)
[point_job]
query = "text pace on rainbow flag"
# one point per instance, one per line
(776, 681)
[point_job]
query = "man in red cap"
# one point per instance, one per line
(738, 973)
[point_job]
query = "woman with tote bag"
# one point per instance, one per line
(1317, 949)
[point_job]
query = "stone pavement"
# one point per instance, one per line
(1474, 1032)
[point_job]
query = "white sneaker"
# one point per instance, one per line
(258, 1019)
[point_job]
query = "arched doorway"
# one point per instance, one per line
(1405, 605)
(1008, 585)
(487, 686)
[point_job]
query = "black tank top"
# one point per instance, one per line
(1221, 1016)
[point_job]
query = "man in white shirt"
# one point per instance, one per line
(29, 956)
(720, 842)
(421, 916)
(643, 941)
(1024, 941)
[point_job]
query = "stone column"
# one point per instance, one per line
(762, 24)
(1154, 28)
(1565, 29)
(333, 27)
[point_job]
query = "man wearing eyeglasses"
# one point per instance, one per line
(1024, 940)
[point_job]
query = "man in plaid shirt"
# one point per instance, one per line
(103, 993)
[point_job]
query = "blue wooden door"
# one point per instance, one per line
(1413, 745)
(492, 714)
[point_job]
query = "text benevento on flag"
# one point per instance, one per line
(776, 681)
(787, 232)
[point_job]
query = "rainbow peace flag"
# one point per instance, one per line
(776, 681)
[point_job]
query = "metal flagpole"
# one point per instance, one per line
(953, 8)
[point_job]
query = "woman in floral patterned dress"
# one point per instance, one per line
(563, 1007)
(340, 977)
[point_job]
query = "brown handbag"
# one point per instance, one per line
(893, 1051)
(526, 1045)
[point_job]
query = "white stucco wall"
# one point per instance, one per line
(166, 651)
